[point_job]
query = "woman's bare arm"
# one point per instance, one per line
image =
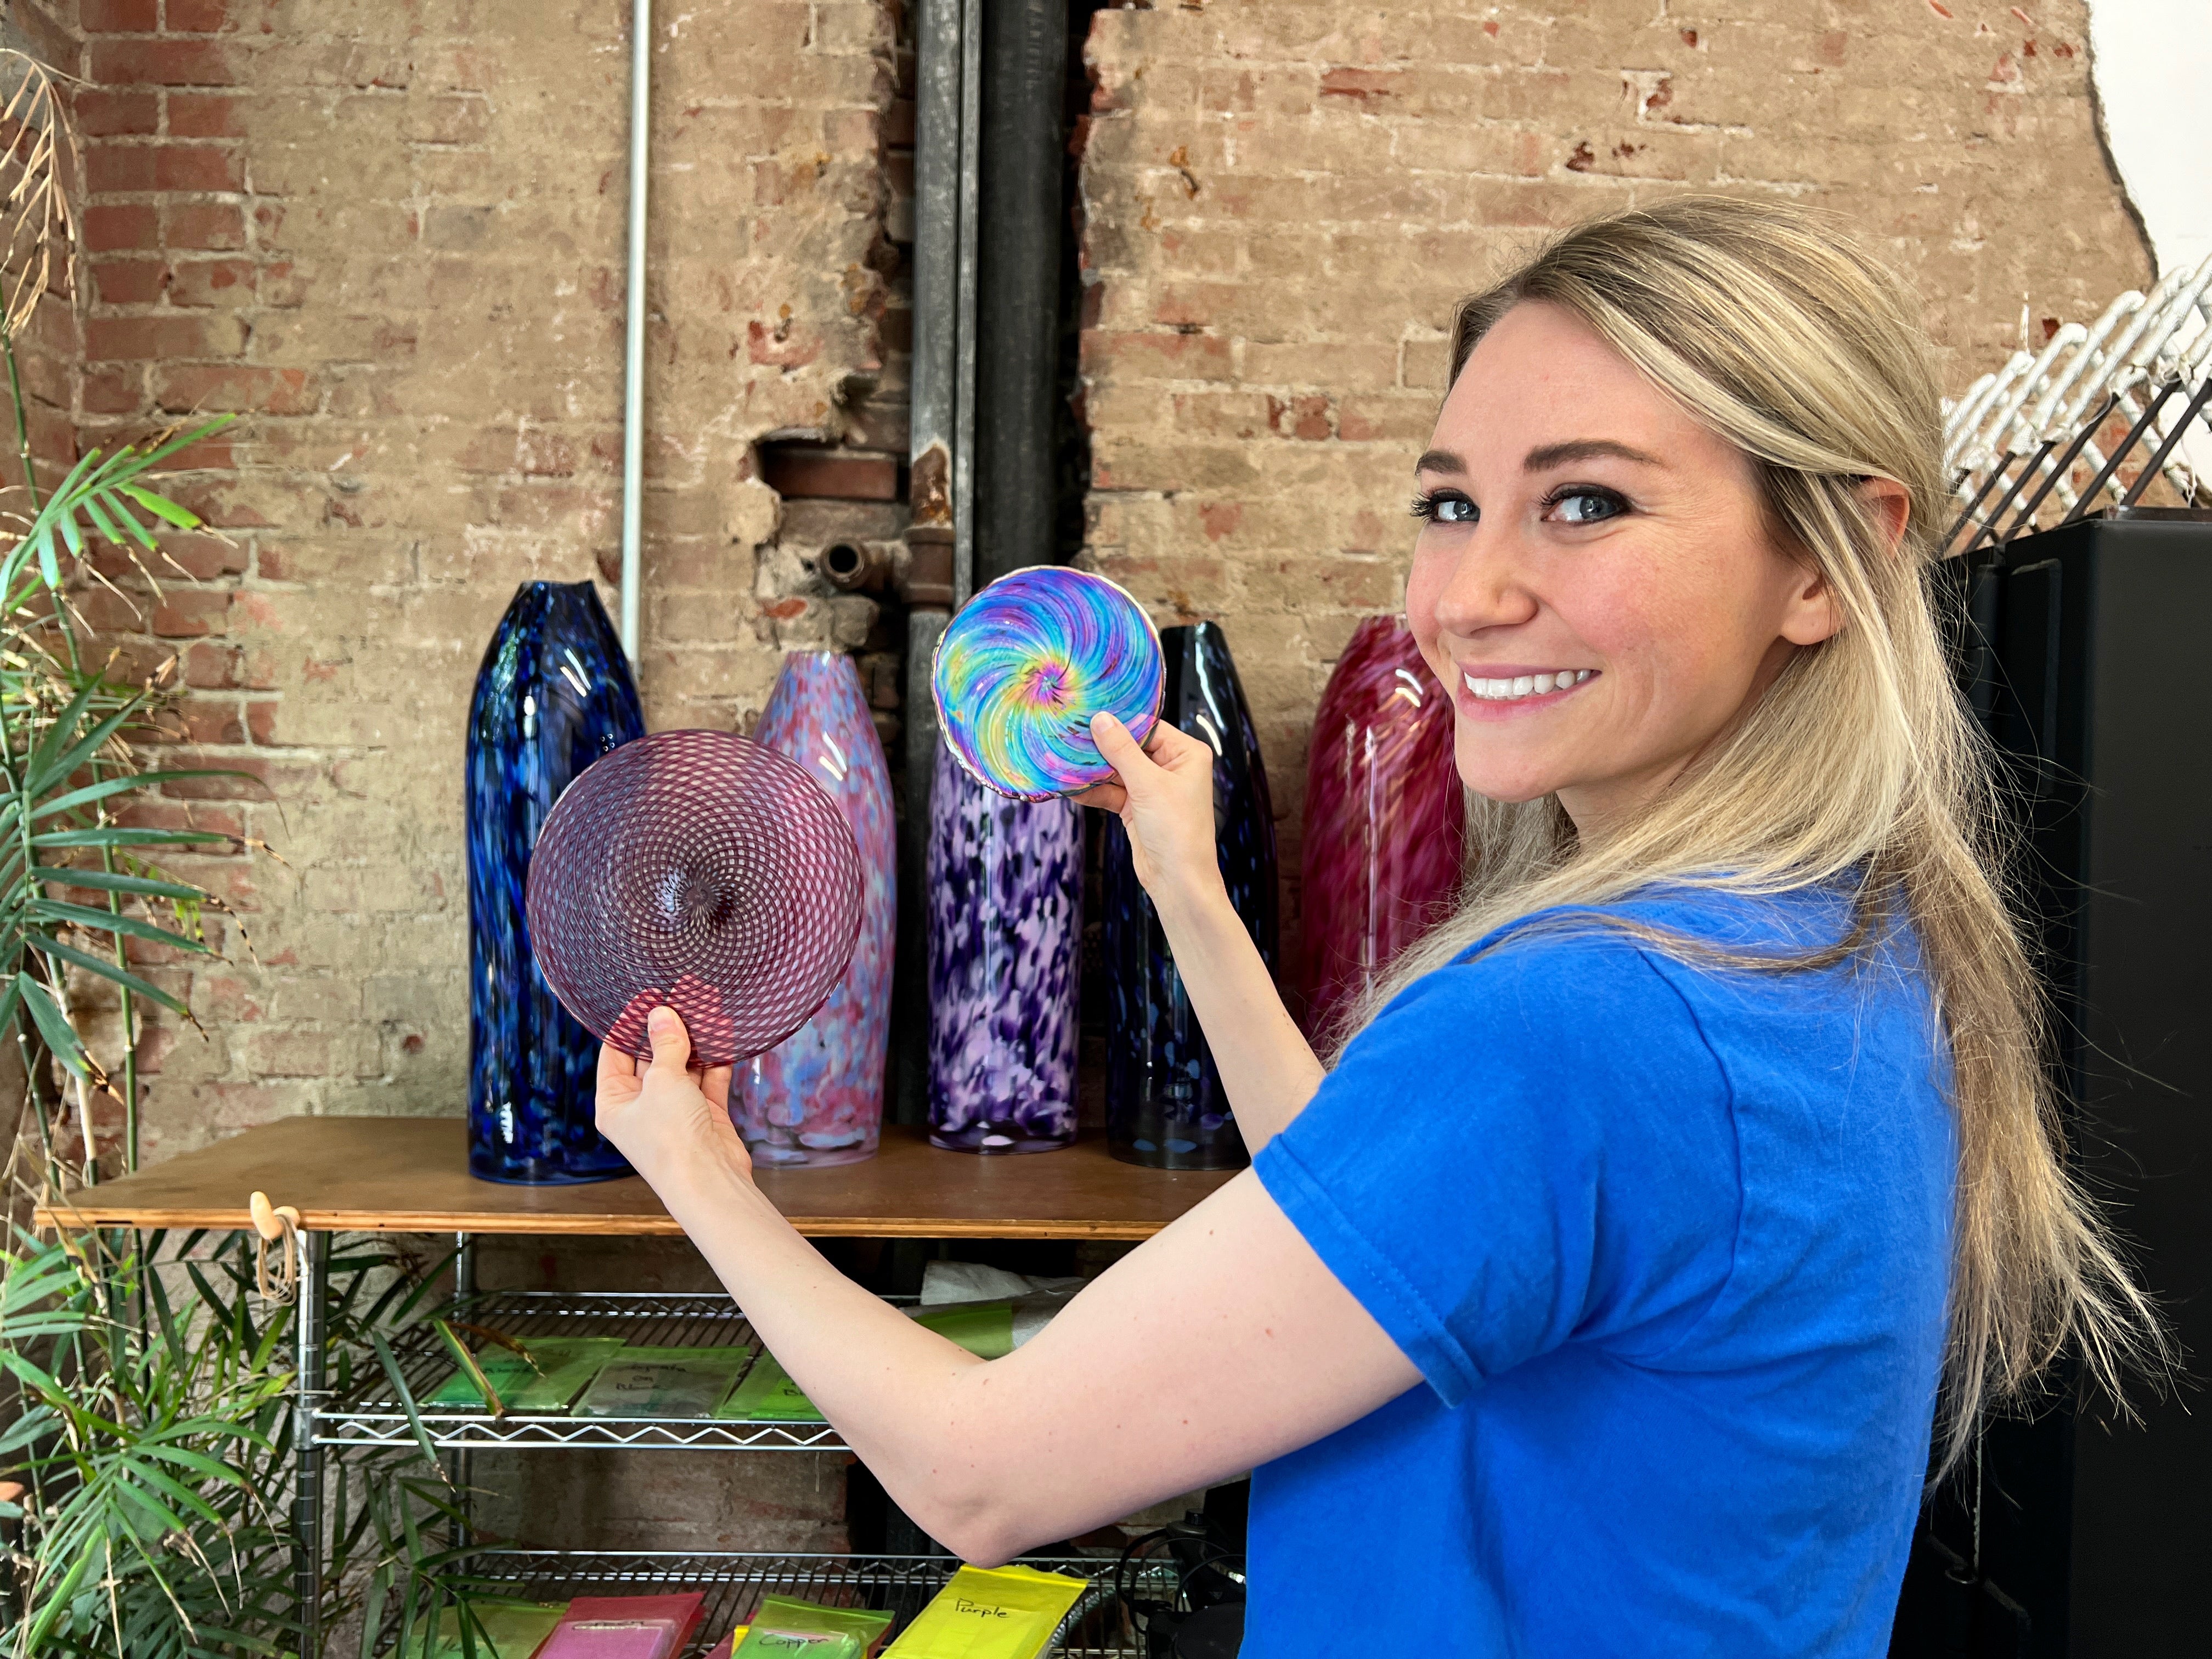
(1220, 1343)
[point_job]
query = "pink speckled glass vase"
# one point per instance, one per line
(818, 1097)
(1385, 819)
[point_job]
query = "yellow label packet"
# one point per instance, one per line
(990, 1613)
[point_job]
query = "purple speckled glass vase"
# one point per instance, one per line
(1006, 898)
(817, 1096)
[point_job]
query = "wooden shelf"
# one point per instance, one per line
(410, 1175)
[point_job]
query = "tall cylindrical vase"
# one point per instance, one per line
(553, 695)
(817, 1096)
(1385, 819)
(1164, 1103)
(1006, 898)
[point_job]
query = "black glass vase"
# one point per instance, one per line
(1164, 1105)
(553, 694)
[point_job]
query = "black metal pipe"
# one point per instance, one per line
(1023, 218)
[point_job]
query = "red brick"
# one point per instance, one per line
(114, 391)
(261, 720)
(188, 612)
(211, 667)
(108, 613)
(115, 226)
(110, 169)
(190, 388)
(211, 454)
(205, 115)
(120, 16)
(198, 17)
(199, 167)
(202, 557)
(103, 114)
(164, 63)
(128, 281)
(213, 282)
(110, 339)
(829, 474)
(203, 722)
(212, 225)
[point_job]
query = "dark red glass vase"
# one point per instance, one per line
(1385, 819)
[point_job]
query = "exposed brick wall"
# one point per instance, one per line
(1284, 198)
(394, 235)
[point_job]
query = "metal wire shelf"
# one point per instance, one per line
(899, 1584)
(371, 1413)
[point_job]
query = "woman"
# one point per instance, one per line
(1597, 1300)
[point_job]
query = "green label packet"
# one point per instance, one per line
(768, 1395)
(786, 1624)
(1003, 1613)
(498, 1629)
(663, 1382)
(797, 1644)
(564, 1364)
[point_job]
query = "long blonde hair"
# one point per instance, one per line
(1861, 763)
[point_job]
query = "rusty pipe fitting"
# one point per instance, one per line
(858, 567)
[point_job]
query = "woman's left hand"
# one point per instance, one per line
(667, 1115)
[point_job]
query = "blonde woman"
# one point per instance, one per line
(1598, 1299)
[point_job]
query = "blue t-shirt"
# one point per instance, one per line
(1670, 1246)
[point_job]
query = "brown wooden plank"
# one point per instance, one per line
(410, 1175)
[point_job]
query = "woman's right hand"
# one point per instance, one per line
(1163, 792)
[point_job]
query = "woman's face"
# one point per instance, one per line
(1592, 579)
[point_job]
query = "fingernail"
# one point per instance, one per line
(661, 1019)
(1101, 717)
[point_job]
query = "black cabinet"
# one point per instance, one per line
(2079, 1533)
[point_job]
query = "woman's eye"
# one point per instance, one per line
(1446, 506)
(1587, 506)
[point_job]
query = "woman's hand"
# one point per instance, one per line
(1163, 795)
(669, 1113)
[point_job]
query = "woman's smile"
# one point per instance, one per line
(1495, 691)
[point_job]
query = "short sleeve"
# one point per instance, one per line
(1527, 1149)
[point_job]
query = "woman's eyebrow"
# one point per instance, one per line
(1581, 449)
(1440, 460)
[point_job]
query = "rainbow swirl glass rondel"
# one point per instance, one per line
(1020, 671)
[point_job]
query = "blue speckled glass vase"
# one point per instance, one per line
(553, 694)
(1005, 922)
(1164, 1104)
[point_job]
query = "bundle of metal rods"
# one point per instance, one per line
(2023, 444)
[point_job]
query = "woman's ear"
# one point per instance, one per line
(1810, 614)
(1891, 505)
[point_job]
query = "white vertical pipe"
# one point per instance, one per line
(964, 382)
(640, 84)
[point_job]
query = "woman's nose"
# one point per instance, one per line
(1487, 588)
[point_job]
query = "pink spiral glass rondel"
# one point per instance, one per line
(700, 870)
